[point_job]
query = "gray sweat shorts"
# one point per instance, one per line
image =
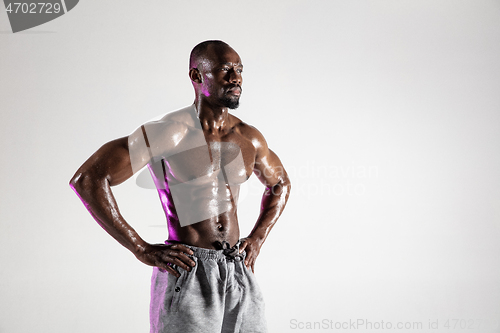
(219, 295)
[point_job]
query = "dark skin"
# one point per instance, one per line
(216, 77)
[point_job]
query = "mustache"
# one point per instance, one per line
(234, 86)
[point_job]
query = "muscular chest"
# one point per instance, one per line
(228, 161)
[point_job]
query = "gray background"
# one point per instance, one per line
(408, 90)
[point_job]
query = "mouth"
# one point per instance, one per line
(234, 91)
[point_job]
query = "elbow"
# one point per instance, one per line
(81, 182)
(282, 188)
(286, 187)
(77, 182)
(286, 183)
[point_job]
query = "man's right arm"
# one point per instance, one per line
(109, 166)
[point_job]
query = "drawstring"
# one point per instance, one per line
(230, 252)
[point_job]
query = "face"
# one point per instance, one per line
(221, 77)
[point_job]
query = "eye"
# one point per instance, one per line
(239, 70)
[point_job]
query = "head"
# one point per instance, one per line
(215, 70)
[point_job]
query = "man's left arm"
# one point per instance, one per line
(270, 171)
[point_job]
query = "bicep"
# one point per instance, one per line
(268, 168)
(110, 162)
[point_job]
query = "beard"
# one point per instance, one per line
(230, 102)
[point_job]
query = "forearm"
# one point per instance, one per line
(273, 203)
(96, 195)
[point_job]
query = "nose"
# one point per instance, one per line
(235, 78)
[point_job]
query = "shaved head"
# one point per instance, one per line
(201, 51)
(215, 71)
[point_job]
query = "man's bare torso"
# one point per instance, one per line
(198, 175)
(198, 157)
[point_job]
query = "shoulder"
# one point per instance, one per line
(250, 133)
(185, 116)
(165, 133)
(173, 124)
(180, 119)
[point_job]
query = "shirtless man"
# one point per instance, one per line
(198, 156)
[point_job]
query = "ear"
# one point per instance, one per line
(195, 75)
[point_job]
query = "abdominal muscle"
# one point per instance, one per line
(201, 212)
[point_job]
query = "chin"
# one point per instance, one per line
(231, 103)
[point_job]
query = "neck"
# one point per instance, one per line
(214, 120)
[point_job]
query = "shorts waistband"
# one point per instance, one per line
(225, 253)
